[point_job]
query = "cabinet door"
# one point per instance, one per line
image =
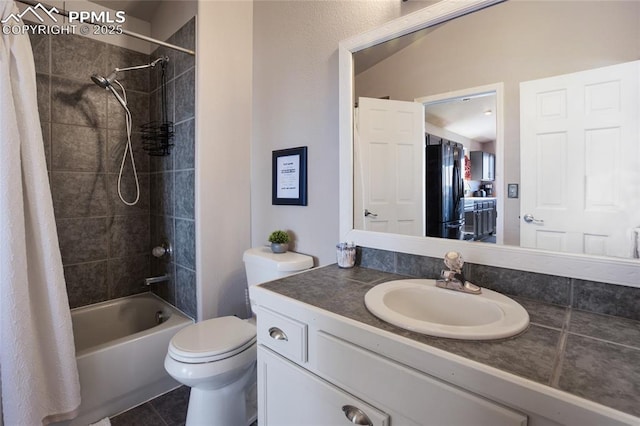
(480, 225)
(423, 399)
(492, 217)
(491, 166)
(469, 222)
(477, 165)
(483, 166)
(486, 159)
(290, 395)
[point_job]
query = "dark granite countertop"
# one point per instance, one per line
(593, 356)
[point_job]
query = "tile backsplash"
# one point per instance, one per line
(597, 297)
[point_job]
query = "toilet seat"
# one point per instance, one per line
(212, 340)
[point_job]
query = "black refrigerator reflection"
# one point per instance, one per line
(444, 188)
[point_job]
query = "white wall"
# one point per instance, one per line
(223, 137)
(295, 103)
(266, 79)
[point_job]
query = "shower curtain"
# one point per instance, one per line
(38, 371)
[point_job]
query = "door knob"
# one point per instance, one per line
(367, 213)
(530, 219)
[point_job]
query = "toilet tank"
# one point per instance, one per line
(263, 265)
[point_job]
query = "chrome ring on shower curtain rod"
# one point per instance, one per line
(125, 32)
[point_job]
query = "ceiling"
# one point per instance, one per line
(366, 58)
(463, 116)
(466, 116)
(141, 9)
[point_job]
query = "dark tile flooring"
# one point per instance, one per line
(169, 409)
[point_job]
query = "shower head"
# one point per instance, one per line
(104, 82)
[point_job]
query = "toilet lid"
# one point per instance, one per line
(212, 340)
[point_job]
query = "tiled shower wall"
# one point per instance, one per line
(105, 244)
(172, 177)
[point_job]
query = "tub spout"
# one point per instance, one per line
(153, 280)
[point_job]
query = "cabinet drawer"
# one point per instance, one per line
(284, 335)
(419, 397)
(291, 396)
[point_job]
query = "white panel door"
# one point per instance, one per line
(389, 166)
(580, 161)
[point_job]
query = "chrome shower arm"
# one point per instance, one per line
(158, 60)
(145, 66)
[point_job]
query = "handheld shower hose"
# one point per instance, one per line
(107, 83)
(128, 147)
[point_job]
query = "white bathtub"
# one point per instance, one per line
(120, 350)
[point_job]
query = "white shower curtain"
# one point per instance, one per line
(38, 371)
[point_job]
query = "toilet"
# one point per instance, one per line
(217, 357)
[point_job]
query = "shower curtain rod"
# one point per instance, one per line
(125, 32)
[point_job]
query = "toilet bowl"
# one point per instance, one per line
(217, 357)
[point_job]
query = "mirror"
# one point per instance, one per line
(478, 58)
(515, 26)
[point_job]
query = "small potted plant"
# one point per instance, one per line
(279, 241)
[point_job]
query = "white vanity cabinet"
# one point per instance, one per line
(292, 396)
(324, 360)
(335, 382)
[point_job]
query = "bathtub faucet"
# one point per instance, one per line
(153, 280)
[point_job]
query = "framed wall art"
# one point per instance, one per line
(289, 177)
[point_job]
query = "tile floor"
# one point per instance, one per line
(169, 409)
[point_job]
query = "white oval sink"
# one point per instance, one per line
(418, 305)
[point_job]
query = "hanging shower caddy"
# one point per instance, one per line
(157, 136)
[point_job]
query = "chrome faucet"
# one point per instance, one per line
(454, 279)
(159, 279)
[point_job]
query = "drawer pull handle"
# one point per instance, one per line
(356, 416)
(277, 334)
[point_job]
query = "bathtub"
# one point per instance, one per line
(120, 350)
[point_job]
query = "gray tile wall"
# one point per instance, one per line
(172, 178)
(597, 297)
(104, 243)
